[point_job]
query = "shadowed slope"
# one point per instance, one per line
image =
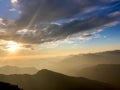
(6, 86)
(48, 80)
(108, 73)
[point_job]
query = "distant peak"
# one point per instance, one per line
(45, 71)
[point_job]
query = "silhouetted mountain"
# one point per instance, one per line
(48, 80)
(109, 73)
(7, 70)
(6, 86)
(109, 57)
(75, 63)
(114, 52)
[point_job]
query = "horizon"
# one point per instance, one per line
(60, 44)
(34, 31)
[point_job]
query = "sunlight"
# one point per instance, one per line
(12, 46)
(14, 1)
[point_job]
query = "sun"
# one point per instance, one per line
(12, 46)
(14, 1)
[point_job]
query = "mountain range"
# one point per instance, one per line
(75, 63)
(7, 70)
(49, 80)
(109, 73)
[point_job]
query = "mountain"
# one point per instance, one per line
(6, 86)
(49, 80)
(7, 70)
(74, 63)
(108, 57)
(109, 73)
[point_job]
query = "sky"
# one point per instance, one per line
(33, 29)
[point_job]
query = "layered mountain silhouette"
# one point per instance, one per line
(7, 70)
(109, 73)
(75, 63)
(6, 86)
(108, 57)
(49, 80)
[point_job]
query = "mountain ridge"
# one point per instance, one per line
(6, 86)
(108, 73)
(7, 70)
(49, 80)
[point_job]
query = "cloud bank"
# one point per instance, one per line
(43, 21)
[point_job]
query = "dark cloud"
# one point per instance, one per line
(45, 10)
(52, 20)
(33, 11)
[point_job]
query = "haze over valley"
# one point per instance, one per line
(59, 44)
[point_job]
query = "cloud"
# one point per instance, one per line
(5, 45)
(2, 23)
(12, 9)
(47, 21)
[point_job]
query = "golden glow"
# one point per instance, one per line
(12, 46)
(14, 1)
